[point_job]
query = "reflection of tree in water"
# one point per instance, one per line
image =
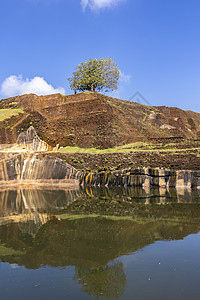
(108, 281)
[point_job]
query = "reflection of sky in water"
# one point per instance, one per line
(98, 258)
(164, 270)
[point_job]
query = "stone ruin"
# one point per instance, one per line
(30, 141)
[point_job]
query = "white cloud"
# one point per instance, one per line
(124, 77)
(16, 85)
(14, 266)
(99, 4)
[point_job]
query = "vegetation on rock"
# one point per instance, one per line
(7, 113)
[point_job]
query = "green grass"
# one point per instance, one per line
(135, 147)
(88, 92)
(124, 148)
(7, 113)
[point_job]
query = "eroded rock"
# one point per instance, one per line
(31, 141)
(37, 169)
(167, 126)
(26, 163)
(144, 177)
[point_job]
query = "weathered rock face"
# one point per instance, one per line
(28, 136)
(20, 164)
(31, 141)
(144, 177)
(36, 168)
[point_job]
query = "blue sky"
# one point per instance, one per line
(155, 43)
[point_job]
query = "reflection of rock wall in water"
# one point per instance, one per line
(144, 195)
(144, 177)
(27, 201)
(32, 207)
(89, 243)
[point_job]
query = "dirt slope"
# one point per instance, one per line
(91, 119)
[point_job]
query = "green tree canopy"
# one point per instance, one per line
(99, 75)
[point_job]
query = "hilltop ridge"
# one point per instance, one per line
(91, 119)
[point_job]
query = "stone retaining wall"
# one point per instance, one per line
(143, 177)
(36, 168)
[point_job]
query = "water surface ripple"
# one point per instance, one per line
(99, 243)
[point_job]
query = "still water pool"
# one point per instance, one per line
(99, 244)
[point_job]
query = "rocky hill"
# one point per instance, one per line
(92, 119)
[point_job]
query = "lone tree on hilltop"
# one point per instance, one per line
(95, 75)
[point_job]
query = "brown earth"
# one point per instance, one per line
(91, 119)
(183, 160)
